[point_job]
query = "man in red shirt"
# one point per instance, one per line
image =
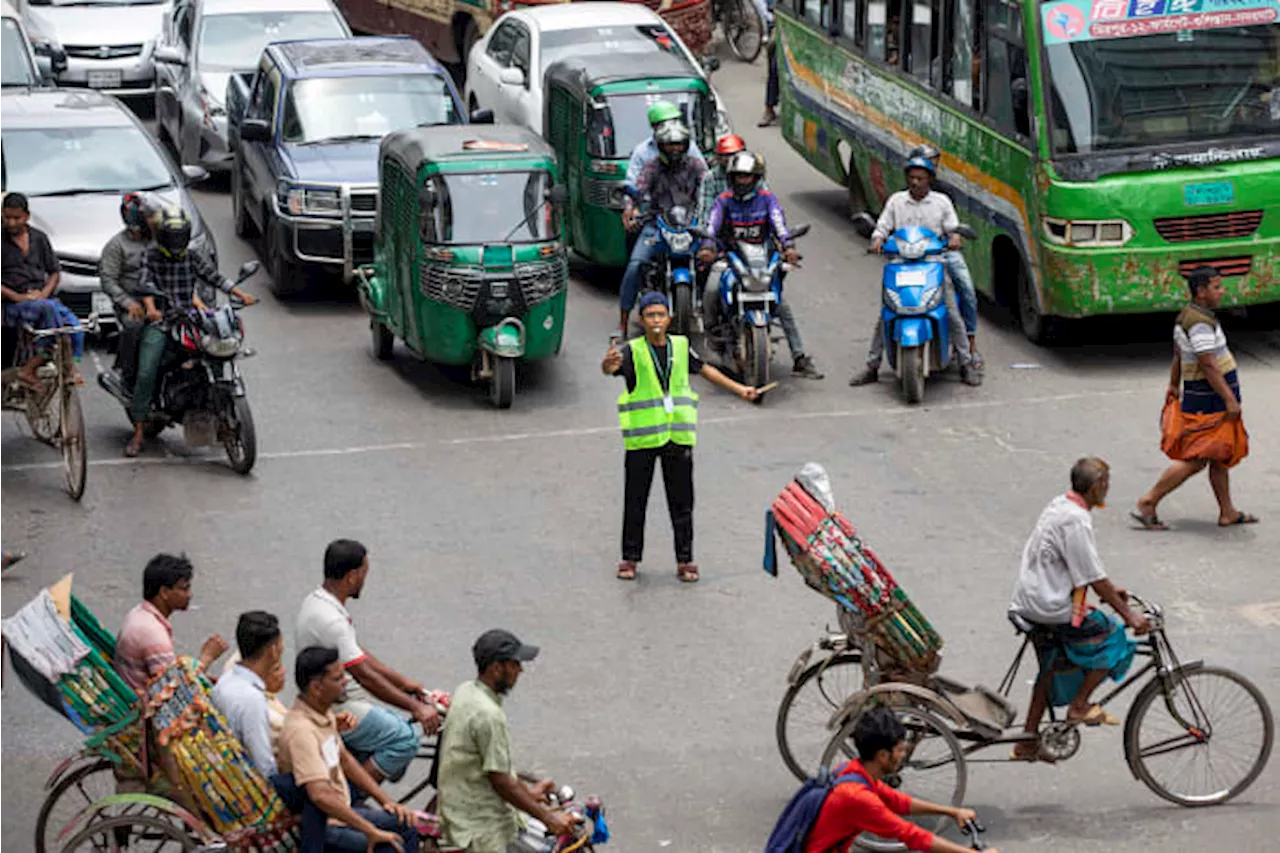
(853, 808)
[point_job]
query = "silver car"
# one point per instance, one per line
(108, 44)
(203, 43)
(73, 154)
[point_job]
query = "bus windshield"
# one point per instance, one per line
(1164, 88)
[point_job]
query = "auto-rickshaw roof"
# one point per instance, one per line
(467, 142)
(583, 74)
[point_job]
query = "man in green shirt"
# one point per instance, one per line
(481, 797)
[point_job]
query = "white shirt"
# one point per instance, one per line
(935, 212)
(241, 697)
(1059, 556)
(324, 622)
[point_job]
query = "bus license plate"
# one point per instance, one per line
(1218, 192)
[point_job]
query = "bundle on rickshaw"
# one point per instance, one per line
(828, 553)
(63, 655)
(212, 765)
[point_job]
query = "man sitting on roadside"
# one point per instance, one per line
(240, 693)
(383, 740)
(313, 759)
(864, 803)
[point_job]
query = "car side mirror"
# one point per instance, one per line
(864, 224)
(558, 195)
(169, 55)
(58, 60)
(511, 76)
(247, 270)
(482, 117)
(194, 174)
(711, 64)
(255, 130)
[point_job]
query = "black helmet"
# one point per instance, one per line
(133, 211)
(173, 232)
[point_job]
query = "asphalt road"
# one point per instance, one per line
(656, 695)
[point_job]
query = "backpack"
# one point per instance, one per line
(796, 821)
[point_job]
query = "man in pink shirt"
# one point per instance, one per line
(144, 646)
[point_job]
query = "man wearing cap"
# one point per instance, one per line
(658, 413)
(481, 797)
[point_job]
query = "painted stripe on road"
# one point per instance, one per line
(729, 420)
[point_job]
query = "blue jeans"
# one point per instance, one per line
(344, 839)
(319, 837)
(966, 295)
(45, 314)
(646, 251)
(386, 738)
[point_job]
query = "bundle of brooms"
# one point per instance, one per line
(830, 556)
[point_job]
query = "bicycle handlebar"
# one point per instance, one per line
(89, 326)
(971, 828)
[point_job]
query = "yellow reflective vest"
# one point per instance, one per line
(643, 413)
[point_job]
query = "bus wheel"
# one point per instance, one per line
(1039, 328)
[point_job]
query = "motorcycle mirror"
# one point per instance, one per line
(800, 230)
(558, 195)
(966, 232)
(864, 224)
(248, 269)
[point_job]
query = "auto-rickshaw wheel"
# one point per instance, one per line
(502, 387)
(384, 340)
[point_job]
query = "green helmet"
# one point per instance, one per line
(663, 111)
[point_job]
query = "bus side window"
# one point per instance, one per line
(853, 22)
(959, 61)
(924, 28)
(884, 28)
(1007, 101)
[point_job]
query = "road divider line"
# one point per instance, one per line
(581, 432)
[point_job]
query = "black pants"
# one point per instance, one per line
(127, 349)
(771, 82)
(677, 478)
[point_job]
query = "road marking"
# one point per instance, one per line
(580, 432)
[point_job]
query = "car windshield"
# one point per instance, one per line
(345, 108)
(1163, 88)
(77, 160)
(592, 40)
(14, 62)
(235, 42)
(477, 207)
(624, 122)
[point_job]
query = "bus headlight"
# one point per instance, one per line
(1087, 232)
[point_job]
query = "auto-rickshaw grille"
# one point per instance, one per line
(603, 193)
(460, 286)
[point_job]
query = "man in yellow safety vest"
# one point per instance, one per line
(659, 417)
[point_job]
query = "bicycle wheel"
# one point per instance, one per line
(807, 707)
(128, 832)
(743, 29)
(933, 770)
(74, 792)
(42, 413)
(74, 459)
(1204, 740)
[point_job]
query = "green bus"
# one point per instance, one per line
(1100, 148)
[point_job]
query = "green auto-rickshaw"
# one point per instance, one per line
(469, 266)
(596, 112)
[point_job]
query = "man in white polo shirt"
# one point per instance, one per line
(384, 741)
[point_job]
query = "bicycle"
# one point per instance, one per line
(742, 26)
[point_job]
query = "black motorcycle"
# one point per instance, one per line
(200, 385)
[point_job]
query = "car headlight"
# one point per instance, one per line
(1087, 232)
(305, 200)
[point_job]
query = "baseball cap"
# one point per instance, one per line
(499, 645)
(654, 297)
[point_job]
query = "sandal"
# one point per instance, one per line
(687, 572)
(626, 570)
(1242, 518)
(1095, 716)
(134, 447)
(1148, 522)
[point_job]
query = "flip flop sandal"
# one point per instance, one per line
(1095, 716)
(1242, 518)
(626, 571)
(1148, 522)
(687, 572)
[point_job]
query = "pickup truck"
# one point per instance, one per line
(304, 129)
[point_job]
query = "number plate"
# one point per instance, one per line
(104, 80)
(1218, 192)
(911, 278)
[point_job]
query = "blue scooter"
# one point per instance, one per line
(917, 331)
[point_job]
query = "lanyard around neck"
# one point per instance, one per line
(663, 370)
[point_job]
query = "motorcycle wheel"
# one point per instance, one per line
(743, 29)
(911, 361)
(241, 441)
(682, 309)
(502, 387)
(758, 345)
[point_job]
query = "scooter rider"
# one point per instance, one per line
(674, 179)
(748, 213)
(953, 260)
(924, 208)
(168, 267)
(120, 270)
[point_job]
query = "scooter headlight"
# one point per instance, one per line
(913, 250)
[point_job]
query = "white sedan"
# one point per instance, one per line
(499, 65)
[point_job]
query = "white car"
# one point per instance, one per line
(529, 40)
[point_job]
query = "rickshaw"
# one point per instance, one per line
(595, 114)
(469, 265)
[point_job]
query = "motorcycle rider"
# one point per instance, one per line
(953, 260)
(169, 268)
(119, 271)
(673, 179)
(749, 213)
(919, 206)
(717, 180)
(646, 151)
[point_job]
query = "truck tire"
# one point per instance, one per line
(286, 278)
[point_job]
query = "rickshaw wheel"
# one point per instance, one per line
(502, 387)
(74, 459)
(43, 414)
(384, 340)
(84, 781)
(123, 832)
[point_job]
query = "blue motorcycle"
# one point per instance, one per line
(916, 327)
(750, 287)
(674, 274)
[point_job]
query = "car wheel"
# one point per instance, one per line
(244, 226)
(286, 278)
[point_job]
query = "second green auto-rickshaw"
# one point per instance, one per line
(469, 266)
(596, 113)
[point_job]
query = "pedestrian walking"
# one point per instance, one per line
(659, 417)
(1201, 424)
(770, 116)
